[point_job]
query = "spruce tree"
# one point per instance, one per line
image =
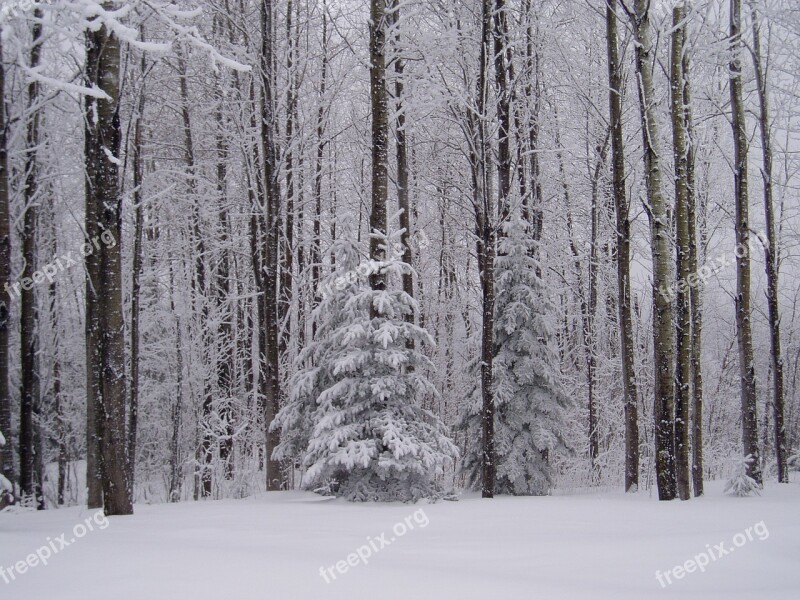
(354, 416)
(530, 403)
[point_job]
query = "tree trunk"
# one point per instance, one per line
(401, 148)
(6, 454)
(663, 331)
(288, 245)
(136, 283)
(102, 185)
(589, 328)
(379, 99)
(94, 474)
(487, 237)
(58, 404)
(271, 278)
(316, 242)
(742, 225)
(695, 294)
(175, 479)
(30, 476)
(682, 243)
(623, 225)
(503, 80)
(771, 252)
(532, 202)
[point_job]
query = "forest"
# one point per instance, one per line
(396, 249)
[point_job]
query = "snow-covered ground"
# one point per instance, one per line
(585, 546)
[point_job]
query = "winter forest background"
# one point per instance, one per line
(390, 250)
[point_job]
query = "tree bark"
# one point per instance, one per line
(532, 211)
(683, 317)
(316, 242)
(30, 475)
(6, 453)
(401, 149)
(771, 252)
(742, 226)
(623, 226)
(58, 404)
(104, 204)
(136, 282)
(288, 245)
(175, 479)
(502, 71)
(487, 248)
(271, 278)
(695, 294)
(379, 100)
(663, 331)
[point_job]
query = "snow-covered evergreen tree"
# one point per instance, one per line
(740, 483)
(530, 402)
(354, 414)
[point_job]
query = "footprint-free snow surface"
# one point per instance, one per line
(298, 546)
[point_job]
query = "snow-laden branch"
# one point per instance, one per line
(170, 16)
(93, 92)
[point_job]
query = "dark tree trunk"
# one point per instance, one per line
(29, 449)
(176, 479)
(532, 200)
(316, 242)
(696, 293)
(401, 148)
(742, 226)
(104, 204)
(623, 226)
(487, 238)
(6, 460)
(136, 283)
(287, 237)
(58, 404)
(683, 317)
(379, 100)
(771, 253)
(503, 80)
(271, 265)
(663, 330)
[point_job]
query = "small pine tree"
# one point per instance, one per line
(741, 484)
(530, 401)
(354, 416)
